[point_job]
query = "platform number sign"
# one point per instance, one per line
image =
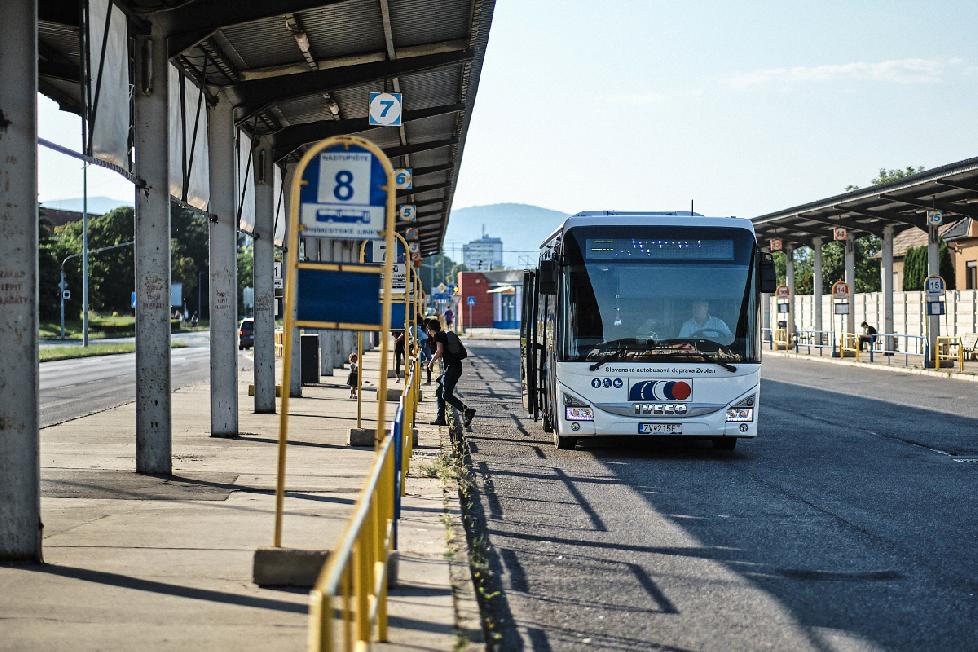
(934, 288)
(839, 233)
(411, 234)
(342, 195)
(935, 217)
(407, 212)
(385, 109)
(776, 244)
(404, 178)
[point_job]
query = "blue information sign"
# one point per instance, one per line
(343, 194)
(470, 301)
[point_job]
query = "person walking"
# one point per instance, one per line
(351, 378)
(449, 349)
(449, 318)
(398, 353)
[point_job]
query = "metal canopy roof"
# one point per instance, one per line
(902, 204)
(301, 70)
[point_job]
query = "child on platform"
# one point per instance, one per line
(351, 379)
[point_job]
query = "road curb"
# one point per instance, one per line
(970, 378)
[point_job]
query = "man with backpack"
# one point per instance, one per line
(449, 349)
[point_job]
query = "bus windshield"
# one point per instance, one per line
(658, 294)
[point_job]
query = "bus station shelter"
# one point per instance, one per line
(209, 104)
(922, 201)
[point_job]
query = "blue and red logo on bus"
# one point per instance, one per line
(661, 390)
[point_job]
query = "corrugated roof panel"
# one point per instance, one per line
(432, 88)
(353, 27)
(265, 42)
(416, 22)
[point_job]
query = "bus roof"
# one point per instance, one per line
(647, 218)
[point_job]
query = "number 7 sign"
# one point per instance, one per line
(385, 109)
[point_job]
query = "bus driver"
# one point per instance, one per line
(704, 325)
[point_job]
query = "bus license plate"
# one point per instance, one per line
(660, 428)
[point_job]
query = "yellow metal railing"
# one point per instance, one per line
(781, 339)
(849, 345)
(279, 343)
(350, 593)
(949, 349)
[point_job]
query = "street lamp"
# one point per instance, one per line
(62, 287)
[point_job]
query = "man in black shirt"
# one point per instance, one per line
(868, 336)
(448, 380)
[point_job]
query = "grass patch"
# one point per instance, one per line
(52, 353)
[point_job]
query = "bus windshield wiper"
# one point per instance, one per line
(610, 357)
(622, 345)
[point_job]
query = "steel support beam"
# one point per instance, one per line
(887, 284)
(817, 282)
(20, 484)
(195, 21)
(933, 269)
(789, 273)
(222, 252)
(151, 251)
(257, 94)
(263, 281)
(402, 150)
(850, 266)
(925, 204)
(293, 137)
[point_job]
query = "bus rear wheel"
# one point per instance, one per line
(725, 443)
(564, 443)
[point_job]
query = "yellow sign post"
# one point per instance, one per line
(346, 186)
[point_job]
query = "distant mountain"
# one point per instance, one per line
(96, 205)
(520, 226)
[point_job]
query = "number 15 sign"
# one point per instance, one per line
(343, 194)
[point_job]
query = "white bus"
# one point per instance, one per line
(645, 324)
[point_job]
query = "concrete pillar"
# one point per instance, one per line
(850, 262)
(263, 281)
(789, 268)
(886, 284)
(152, 255)
(933, 269)
(222, 252)
(817, 287)
(20, 502)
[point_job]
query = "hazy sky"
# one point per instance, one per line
(747, 107)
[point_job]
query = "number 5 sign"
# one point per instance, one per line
(385, 109)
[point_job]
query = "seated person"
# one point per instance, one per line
(705, 325)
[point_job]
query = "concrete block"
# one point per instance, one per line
(364, 437)
(393, 395)
(278, 390)
(393, 561)
(287, 566)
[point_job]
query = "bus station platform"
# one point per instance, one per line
(165, 562)
(898, 362)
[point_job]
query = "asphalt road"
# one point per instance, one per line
(849, 523)
(75, 388)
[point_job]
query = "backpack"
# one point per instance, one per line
(454, 346)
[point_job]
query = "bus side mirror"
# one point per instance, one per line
(547, 277)
(768, 276)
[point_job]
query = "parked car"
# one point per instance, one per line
(246, 334)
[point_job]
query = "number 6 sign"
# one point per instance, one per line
(385, 109)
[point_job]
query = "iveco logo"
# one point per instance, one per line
(660, 390)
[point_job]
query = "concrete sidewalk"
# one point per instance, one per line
(165, 563)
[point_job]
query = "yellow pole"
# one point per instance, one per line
(291, 287)
(363, 256)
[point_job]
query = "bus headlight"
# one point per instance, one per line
(742, 410)
(575, 409)
(579, 414)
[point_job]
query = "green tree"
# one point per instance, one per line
(915, 267)
(246, 261)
